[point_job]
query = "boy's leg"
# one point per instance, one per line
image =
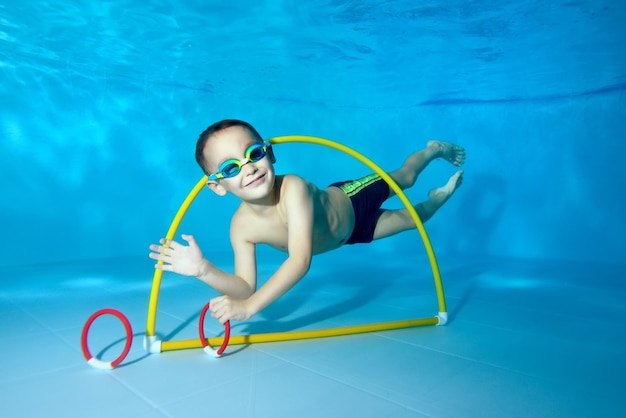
(406, 175)
(392, 222)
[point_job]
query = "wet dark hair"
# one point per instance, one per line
(218, 127)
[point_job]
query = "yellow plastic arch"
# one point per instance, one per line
(154, 346)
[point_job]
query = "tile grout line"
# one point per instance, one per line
(349, 385)
(495, 366)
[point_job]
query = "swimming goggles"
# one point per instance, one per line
(232, 167)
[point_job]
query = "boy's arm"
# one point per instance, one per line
(188, 260)
(299, 210)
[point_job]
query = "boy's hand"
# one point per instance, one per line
(178, 258)
(225, 308)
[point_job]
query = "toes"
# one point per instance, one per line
(459, 178)
(452, 153)
(459, 156)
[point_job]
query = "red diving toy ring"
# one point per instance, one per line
(205, 345)
(97, 363)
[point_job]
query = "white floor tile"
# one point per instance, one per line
(525, 339)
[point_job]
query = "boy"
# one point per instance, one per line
(290, 214)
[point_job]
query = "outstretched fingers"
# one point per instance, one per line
(164, 261)
(189, 238)
(163, 266)
(168, 243)
(163, 253)
(178, 258)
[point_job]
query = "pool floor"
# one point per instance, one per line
(525, 339)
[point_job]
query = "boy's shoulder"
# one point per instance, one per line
(292, 185)
(289, 177)
(292, 180)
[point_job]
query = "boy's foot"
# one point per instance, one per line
(449, 152)
(441, 194)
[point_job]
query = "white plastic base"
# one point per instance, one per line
(99, 364)
(151, 344)
(443, 318)
(211, 352)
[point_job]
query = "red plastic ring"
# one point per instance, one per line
(220, 350)
(129, 337)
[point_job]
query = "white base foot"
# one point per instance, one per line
(151, 344)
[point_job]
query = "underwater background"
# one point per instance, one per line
(102, 103)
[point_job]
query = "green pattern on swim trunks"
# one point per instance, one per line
(353, 187)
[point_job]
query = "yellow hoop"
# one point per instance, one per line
(154, 346)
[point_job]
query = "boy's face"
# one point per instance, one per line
(256, 179)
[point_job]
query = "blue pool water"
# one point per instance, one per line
(101, 104)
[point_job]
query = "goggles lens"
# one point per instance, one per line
(230, 168)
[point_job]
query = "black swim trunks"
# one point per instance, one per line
(367, 195)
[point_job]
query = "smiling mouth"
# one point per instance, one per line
(256, 181)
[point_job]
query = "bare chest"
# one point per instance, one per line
(270, 230)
